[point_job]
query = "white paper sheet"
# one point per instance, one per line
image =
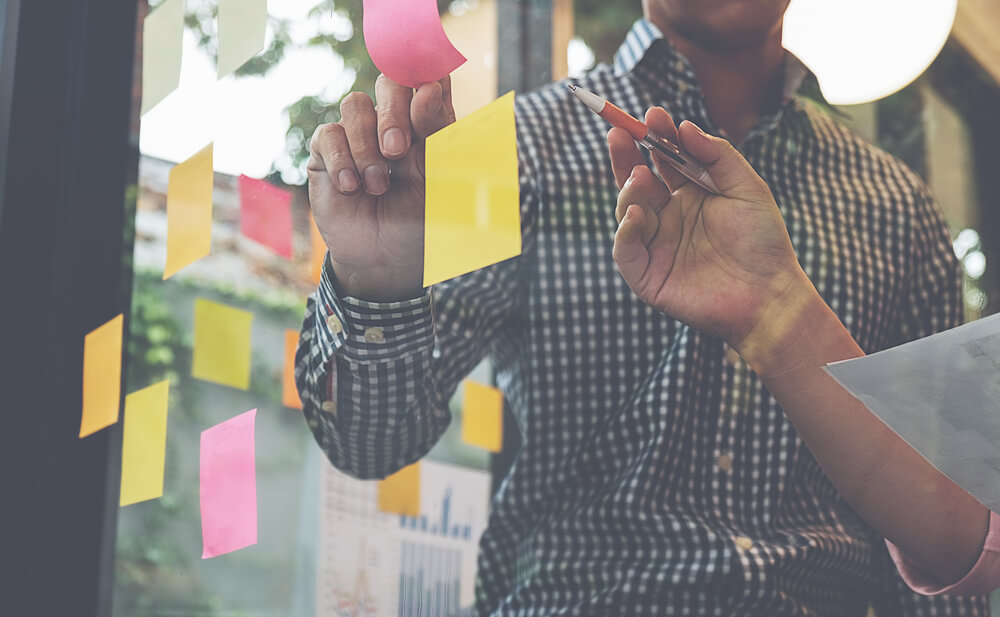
(942, 395)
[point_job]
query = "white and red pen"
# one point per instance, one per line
(670, 152)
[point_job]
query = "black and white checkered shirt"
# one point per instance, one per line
(657, 476)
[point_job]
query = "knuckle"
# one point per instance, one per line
(327, 137)
(355, 103)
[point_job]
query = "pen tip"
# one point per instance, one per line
(572, 88)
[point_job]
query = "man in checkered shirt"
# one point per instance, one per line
(657, 475)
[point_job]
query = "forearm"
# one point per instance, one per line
(936, 523)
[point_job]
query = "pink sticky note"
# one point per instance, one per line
(266, 214)
(228, 486)
(406, 41)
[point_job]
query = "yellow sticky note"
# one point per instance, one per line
(221, 344)
(473, 216)
(400, 492)
(482, 416)
(242, 25)
(102, 376)
(162, 38)
(289, 393)
(189, 211)
(144, 443)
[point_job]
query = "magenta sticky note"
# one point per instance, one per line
(228, 486)
(266, 214)
(406, 41)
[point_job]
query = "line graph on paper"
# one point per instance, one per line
(373, 564)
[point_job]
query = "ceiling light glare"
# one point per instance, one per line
(864, 50)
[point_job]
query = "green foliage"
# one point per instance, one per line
(603, 25)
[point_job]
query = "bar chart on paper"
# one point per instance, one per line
(373, 564)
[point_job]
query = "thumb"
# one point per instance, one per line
(729, 170)
(431, 109)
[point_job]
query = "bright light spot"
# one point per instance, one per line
(579, 57)
(966, 240)
(975, 264)
(863, 50)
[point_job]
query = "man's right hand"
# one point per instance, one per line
(366, 186)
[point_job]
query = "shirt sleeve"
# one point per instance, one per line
(984, 576)
(932, 302)
(375, 379)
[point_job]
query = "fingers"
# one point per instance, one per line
(431, 109)
(629, 252)
(729, 170)
(393, 113)
(360, 123)
(624, 155)
(330, 163)
(661, 124)
(644, 189)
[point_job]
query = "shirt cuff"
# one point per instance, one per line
(984, 577)
(372, 331)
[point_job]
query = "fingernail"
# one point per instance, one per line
(348, 180)
(376, 180)
(697, 128)
(393, 142)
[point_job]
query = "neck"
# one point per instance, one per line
(740, 85)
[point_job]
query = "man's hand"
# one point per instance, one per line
(723, 264)
(366, 186)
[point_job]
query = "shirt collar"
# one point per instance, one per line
(645, 43)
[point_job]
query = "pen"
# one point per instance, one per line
(669, 151)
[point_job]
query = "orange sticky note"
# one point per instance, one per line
(144, 443)
(473, 216)
(102, 376)
(221, 344)
(189, 211)
(482, 416)
(289, 393)
(400, 492)
(317, 251)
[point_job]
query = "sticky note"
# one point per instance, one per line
(407, 42)
(482, 416)
(162, 39)
(472, 217)
(189, 211)
(289, 393)
(266, 214)
(144, 443)
(221, 344)
(317, 251)
(242, 25)
(102, 376)
(400, 492)
(228, 486)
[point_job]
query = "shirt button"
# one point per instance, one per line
(682, 86)
(725, 462)
(743, 542)
(329, 406)
(334, 324)
(374, 335)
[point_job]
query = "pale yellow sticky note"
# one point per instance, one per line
(400, 492)
(144, 443)
(221, 344)
(162, 39)
(189, 211)
(482, 416)
(242, 25)
(472, 217)
(102, 376)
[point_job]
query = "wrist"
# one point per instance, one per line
(375, 284)
(788, 329)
